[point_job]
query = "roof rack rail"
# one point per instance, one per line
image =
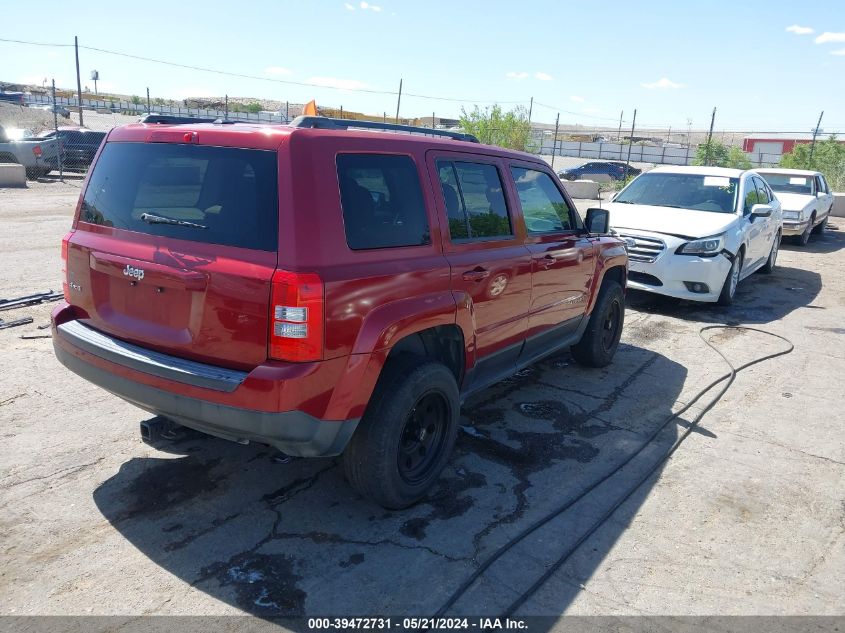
(327, 123)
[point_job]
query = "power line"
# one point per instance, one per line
(256, 77)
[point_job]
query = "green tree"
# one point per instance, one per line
(493, 126)
(718, 154)
(254, 108)
(828, 158)
(135, 99)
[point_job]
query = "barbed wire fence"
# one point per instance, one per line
(558, 143)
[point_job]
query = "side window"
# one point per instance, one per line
(475, 200)
(543, 207)
(762, 191)
(382, 201)
(821, 185)
(751, 197)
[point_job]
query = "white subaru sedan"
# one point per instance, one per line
(696, 232)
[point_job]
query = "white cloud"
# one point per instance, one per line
(664, 82)
(827, 37)
(334, 82)
(841, 51)
(366, 6)
(543, 76)
(348, 6)
(799, 30)
(277, 70)
(577, 99)
(515, 75)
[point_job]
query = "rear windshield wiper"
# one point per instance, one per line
(149, 218)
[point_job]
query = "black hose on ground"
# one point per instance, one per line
(729, 377)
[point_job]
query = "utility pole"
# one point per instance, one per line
(630, 143)
(669, 134)
(554, 143)
(78, 80)
(619, 133)
(432, 120)
(226, 107)
(398, 100)
(689, 133)
(710, 138)
(287, 111)
(341, 112)
(815, 134)
(56, 127)
(530, 110)
(148, 100)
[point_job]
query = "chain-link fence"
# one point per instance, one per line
(54, 117)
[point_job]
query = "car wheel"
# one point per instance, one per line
(769, 266)
(406, 435)
(820, 227)
(33, 173)
(805, 236)
(726, 297)
(601, 338)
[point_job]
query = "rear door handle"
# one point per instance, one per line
(476, 274)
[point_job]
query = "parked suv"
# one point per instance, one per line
(327, 290)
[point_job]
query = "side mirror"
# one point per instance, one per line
(598, 221)
(761, 210)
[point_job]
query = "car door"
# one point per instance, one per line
(490, 265)
(825, 197)
(562, 258)
(752, 227)
(768, 225)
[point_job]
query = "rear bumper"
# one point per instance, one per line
(190, 393)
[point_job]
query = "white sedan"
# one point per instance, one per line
(805, 197)
(696, 232)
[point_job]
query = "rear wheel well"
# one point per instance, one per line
(443, 344)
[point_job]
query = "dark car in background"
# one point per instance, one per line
(78, 146)
(617, 170)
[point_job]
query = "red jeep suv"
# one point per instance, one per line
(326, 289)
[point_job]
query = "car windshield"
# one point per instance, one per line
(684, 191)
(785, 183)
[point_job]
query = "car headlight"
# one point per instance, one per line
(707, 247)
(791, 215)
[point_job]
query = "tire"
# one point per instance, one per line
(33, 173)
(726, 297)
(601, 338)
(805, 236)
(820, 227)
(769, 266)
(380, 461)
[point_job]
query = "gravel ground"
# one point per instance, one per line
(747, 516)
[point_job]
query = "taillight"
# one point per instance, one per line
(65, 287)
(37, 151)
(296, 317)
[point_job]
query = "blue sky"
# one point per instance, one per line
(673, 61)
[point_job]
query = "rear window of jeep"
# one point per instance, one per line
(382, 201)
(217, 195)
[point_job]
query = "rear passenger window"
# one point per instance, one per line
(543, 206)
(382, 201)
(475, 201)
(762, 191)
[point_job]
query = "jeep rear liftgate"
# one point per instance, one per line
(175, 247)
